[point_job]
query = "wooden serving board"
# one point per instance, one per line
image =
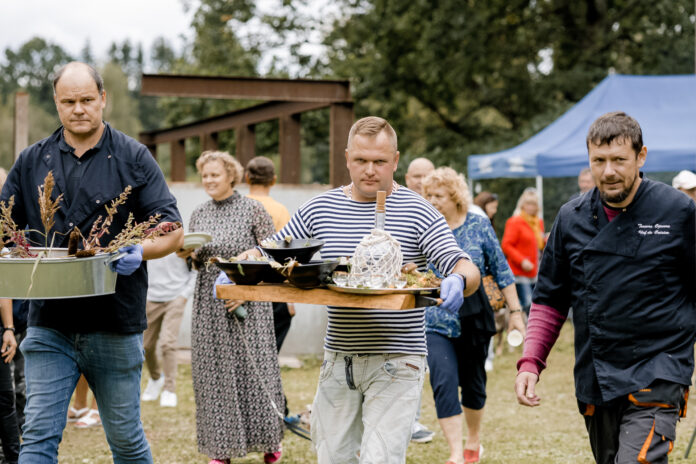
(284, 293)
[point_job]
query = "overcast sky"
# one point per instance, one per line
(70, 23)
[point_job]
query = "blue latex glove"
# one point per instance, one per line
(221, 279)
(452, 292)
(129, 263)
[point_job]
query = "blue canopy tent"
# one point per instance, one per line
(664, 106)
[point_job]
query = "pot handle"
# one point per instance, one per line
(422, 301)
(114, 257)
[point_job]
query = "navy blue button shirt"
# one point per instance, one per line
(117, 161)
(74, 167)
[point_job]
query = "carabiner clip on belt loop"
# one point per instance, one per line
(349, 372)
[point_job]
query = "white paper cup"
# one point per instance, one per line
(515, 338)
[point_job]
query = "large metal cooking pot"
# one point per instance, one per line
(55, 275)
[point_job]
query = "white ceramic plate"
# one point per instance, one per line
(196, 239)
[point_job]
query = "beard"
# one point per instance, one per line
(620, 196)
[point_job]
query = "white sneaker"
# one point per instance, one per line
(168, 399)
(153, 389)
(420, 433)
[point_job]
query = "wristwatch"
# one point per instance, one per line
(8, 328)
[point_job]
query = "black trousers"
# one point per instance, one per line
(281, 325)
(9, 431)
(281, 322)
(637, 428)
(20, 387)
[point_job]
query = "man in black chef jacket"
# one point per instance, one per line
(622, 256)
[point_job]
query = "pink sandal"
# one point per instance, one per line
(272, 458)
(472, 456)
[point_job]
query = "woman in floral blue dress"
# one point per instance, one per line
(458, 343)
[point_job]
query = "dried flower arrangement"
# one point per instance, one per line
(10, 232)
(131, 233)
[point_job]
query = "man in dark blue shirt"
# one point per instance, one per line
(100, 337)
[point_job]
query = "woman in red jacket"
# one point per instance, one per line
(523, 240)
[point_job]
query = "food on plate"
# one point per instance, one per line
(417, 279)
(409, 268)
(269, 243)
(257, 259)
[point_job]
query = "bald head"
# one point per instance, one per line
(76, 68)
(417, 170)
(78, 92)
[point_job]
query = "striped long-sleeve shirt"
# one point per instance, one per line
(341, 223)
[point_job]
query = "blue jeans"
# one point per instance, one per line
(524, 293)
(112, 364)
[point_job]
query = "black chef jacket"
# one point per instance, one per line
(631, 284)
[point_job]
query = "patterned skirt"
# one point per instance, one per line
(235, 382)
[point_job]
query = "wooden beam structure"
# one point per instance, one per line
(209, 141)
(245, 88)
(341, 121)
(288, 99)
(228, 121)
(245, 140)
(289, 149)
(178, 160)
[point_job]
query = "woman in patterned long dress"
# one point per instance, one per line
(234, 415)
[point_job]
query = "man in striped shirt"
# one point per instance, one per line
(371, 379)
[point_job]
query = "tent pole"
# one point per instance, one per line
(540, 193)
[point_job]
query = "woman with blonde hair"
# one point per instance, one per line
(523, 240)
(234, 382)
(458, 343)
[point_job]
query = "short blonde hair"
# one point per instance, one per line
(371, 126)
(529, 194)
(231, 165)
(454, 183)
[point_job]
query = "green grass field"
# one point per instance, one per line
(551, 433)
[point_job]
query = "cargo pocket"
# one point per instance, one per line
(666, 426)
(664, 402)
(660, 440)
(660, 394)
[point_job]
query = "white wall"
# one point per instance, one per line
(306, 335)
